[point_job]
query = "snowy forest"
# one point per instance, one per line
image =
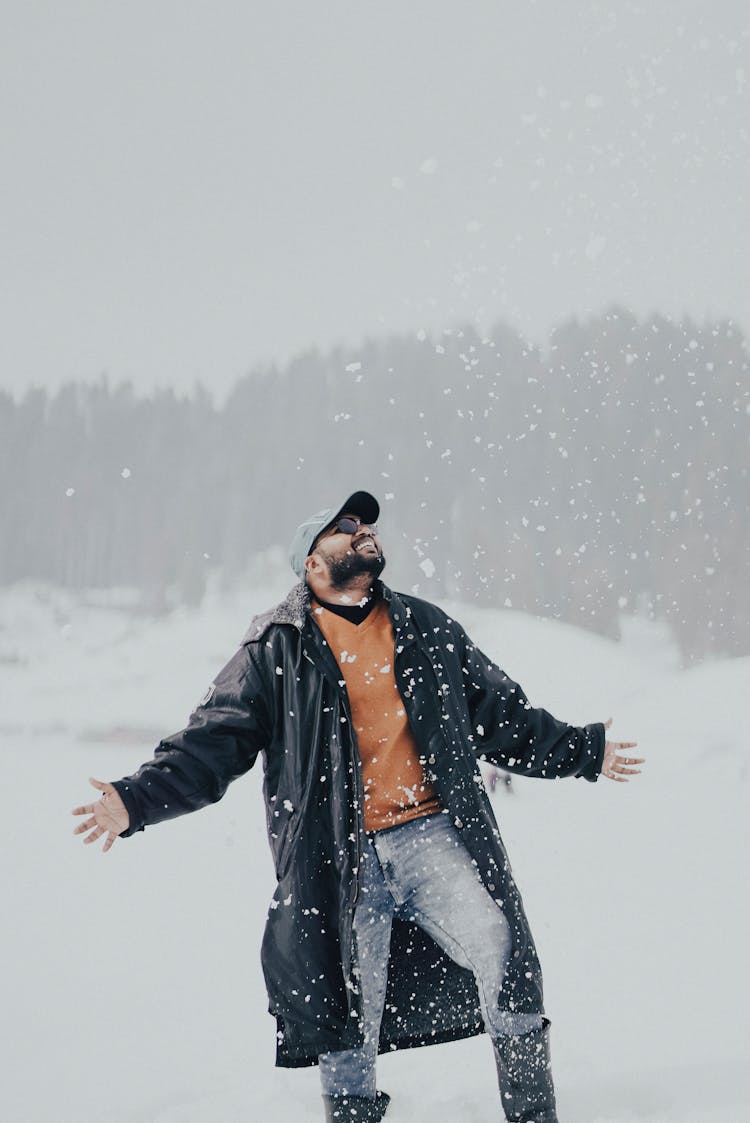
(602, 475)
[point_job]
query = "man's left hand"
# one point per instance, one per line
(615, 766)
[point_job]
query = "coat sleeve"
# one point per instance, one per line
(512, 734)
(193, 768)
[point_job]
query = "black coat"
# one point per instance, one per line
(282, 695)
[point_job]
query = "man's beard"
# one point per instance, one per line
(341, 571)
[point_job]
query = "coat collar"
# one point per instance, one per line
(295, 608)
(292, 610)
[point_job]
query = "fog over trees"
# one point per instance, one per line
(602, 475)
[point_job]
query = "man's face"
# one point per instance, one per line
(349, 555)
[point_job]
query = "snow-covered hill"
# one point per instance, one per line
(132, 990)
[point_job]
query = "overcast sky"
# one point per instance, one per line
(191, 188)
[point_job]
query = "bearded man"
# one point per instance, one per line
(396, 921)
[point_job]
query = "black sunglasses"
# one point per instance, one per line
(352, 525)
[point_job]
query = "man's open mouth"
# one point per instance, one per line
(367, 544)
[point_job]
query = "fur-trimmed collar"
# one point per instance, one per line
(292, 610)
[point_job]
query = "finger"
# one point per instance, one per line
(626, 744)
(615, 777)
(100, 785)
(87, 826)
(94, 835)
(607, 723)
(108, 842)
(86, 809)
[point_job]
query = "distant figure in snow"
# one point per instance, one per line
(495, 776)
(396, 921)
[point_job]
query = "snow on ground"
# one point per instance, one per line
(132, 989)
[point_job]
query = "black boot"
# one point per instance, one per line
(524, 1075)
(347, 1109)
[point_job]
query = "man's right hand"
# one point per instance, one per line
(108, 815)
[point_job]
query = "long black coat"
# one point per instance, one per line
(282, 695)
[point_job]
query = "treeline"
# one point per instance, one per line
(606, 473)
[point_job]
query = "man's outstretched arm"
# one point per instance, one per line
(194, 767)
(530, 741)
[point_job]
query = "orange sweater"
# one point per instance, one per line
(395, 787)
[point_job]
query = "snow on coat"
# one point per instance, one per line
(282, 696)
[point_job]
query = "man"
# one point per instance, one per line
(396, 921)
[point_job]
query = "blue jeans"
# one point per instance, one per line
(421, 871)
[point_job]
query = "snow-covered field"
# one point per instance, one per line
(132, 991)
